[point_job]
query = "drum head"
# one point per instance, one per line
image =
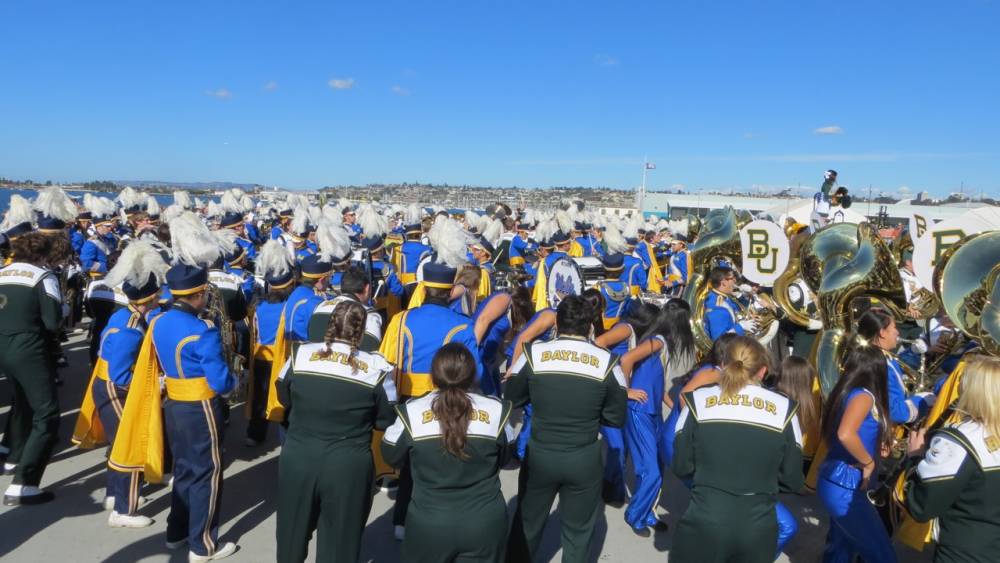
(564, 278)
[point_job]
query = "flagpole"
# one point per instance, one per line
(642, 189)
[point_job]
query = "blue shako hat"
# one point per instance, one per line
(439, 275)
(186, 280)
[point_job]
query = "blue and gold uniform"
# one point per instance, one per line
(104, 402)
(410, 254)
(519, 246)
(680, 265)
(94, 254)
(617, 295)
(306, 297)
(190, 353)
(490, 350)
(720, 315)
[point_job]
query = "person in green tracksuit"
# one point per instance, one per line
(958, 480)
(336, 395)
(738, 443)
(30, 318)
(456, 442)
(574, 387)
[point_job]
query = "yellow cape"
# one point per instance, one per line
(275, 411)
(89, 432)
(655, 278)
(139, 443)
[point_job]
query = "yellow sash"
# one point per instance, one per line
(407, 278)
(575, 249)
(89, 432)
(485, 285)
(139, 443)
(540, 292)
(189, 389)
(516, 261)
(655, 276)
(275, 411)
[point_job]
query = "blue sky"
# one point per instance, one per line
(540, 93)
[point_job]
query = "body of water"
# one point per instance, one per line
(5, 195)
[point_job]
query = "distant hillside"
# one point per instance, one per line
(198, 186)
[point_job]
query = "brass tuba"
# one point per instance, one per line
(845, 262)
(966, 282)
(215, 311)
(798, 314)
(718, 241)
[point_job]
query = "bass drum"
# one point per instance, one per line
(564, 278)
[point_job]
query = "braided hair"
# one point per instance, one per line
(346, 325)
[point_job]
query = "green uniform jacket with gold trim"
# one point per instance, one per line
(958, 482)
(756, 431)
(574, 387)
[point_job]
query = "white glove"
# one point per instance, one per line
(749, 325)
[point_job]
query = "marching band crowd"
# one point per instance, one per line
(398, 346)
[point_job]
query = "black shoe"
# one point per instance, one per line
(660, 526)
(641, 532)
(610, 496)
(40, 498)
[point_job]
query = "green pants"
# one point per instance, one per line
(718, 527)
(33, 422)
(435, 535)
(575, 476)
(326, 488)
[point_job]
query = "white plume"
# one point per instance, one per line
(192, 242)
(545, 230)
(231, 204)
(564, 221)
(632, 227)
(332, 240)
(172, 212)
(136, 263)
(529, 218)
(100, 206)
(19, 212)
(315, 214)
(372, 223)
(296, 201)
(493, 231)
(198, 203)
(679, 227)
(273, 260)
(183, 199)
(414, 215)
(300, 222)
(152, 206)
(226, 239)
(247, 203)
(53, 202)
(332, 214)
(614, 240)
(451, 242)
(344, 202)
(129, 197)
(213, 210)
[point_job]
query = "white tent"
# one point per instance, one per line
(801, 211)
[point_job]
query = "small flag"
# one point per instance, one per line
(650, 166)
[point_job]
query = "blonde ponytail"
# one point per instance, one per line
(742, 360)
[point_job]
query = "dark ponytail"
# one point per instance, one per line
(453, 372)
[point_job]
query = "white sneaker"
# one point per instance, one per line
(225, 550)
(109, 502)
(167, 480)
(399, 532)
(116, 520)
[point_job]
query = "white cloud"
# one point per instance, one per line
(830, 130)
(341, 83)
(603, 59)
(271, 86)
(220, 93)
(400, 91)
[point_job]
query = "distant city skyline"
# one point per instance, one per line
(739, 95)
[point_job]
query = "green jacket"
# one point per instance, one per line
(958, 482)
(756, 431)
(30, 300)
(574, 387)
